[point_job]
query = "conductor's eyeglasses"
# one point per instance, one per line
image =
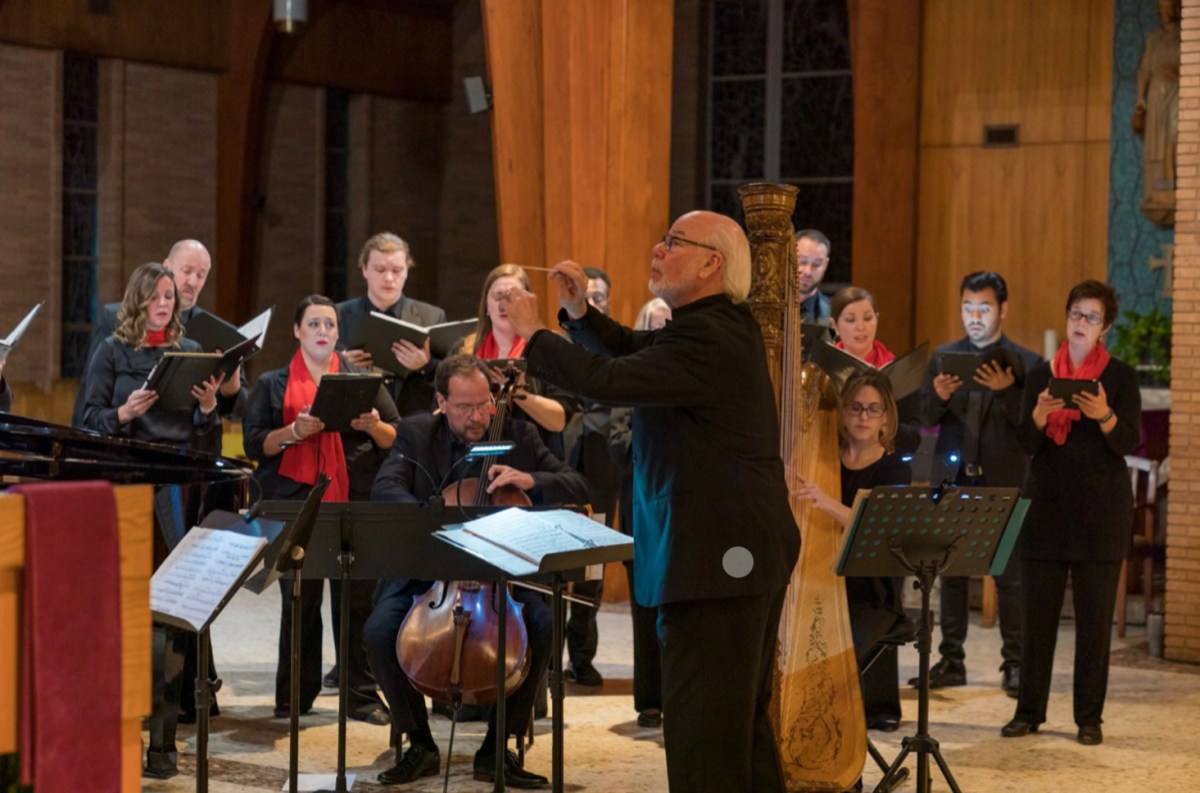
(874, 410)
(671, 240)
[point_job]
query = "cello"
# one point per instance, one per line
(447, 644)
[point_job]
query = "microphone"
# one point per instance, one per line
(256, 508)
(436, 492)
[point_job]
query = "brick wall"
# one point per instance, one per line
(31, 206)
(290, 247)
(1183, 518)
(169, 144)
(157, 151)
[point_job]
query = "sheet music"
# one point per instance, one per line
(257, 327)
(200, 572)
(489, 552)
(533, 535)
(11, 339)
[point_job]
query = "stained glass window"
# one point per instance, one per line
(80, 204)
(781, 108)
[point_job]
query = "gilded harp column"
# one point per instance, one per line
(768, 210)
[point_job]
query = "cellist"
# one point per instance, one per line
(428, 456)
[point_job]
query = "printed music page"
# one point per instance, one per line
(533, 535)
(198, 576)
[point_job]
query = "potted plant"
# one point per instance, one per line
(1144, 342)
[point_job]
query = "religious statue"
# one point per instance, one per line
(1156, 115)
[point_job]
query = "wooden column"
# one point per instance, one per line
(581, 134)
(240, 106)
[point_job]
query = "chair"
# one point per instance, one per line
(1145, 480)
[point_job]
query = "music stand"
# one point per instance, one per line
(232, 522)
(506, 567)
(925, 532)
(376, 540)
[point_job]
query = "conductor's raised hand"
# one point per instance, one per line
(521, 308)
(572, 283)
(502, 475)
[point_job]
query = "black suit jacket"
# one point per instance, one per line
(1004, 461)
(412, 393)
(708, 478)
(6, 396)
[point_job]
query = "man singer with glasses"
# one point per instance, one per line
(979, 424)
(714, 537)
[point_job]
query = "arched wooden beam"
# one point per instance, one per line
(240, 108)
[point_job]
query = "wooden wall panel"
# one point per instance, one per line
(1024, 212)
(1101, 24)
(1010, 61)
(581, 134)
(407, 54)
(886, 57)
(12, 560)
(513, 30)
(189, 33)
(1036, 213)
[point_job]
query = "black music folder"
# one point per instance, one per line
(906, 373)
(177, 372)
(963, 365)
(377, 332)
(213, 333)
(343, 397)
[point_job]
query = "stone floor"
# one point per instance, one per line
(1151, 727)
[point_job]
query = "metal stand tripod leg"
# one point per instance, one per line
(921, 743)
(294, 742)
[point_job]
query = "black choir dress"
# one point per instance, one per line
(1079, 523)
(264, 413)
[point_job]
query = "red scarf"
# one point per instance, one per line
(156, 338)
(1058, 423)
(490, 350)
(300, 462)
(879, 356)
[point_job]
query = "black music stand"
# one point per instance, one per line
(290, 559)
(376, 540)
(272, 531)
(925, 532)
(507, 567)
